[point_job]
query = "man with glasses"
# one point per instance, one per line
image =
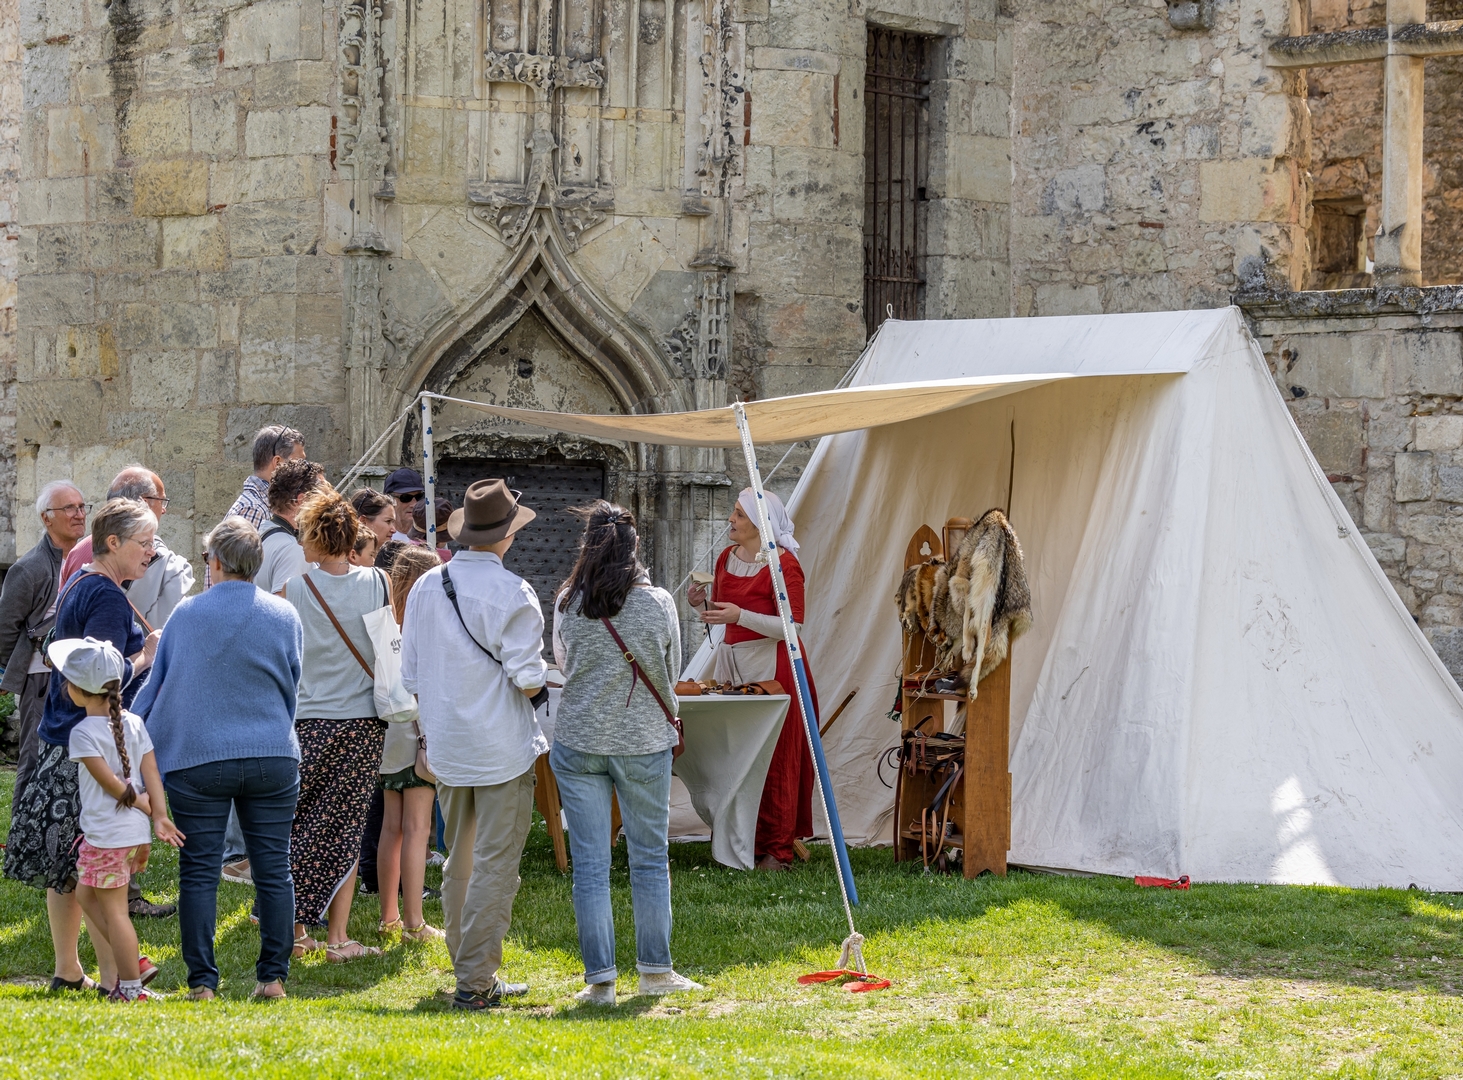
(406, 488)
(27, 610)
(273, 445)
(169, 576)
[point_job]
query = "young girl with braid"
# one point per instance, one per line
(120, 791)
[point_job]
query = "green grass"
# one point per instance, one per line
(1024, 976)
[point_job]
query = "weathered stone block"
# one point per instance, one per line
(1249, 189)
(1335, 365)
(171, 188)
(46, 70)
(172, 287)
(58, 249)
(1427, 362)
(187, 326)
(218, 379)
(1387, 549)
(156, 128)
(76, 141)
(194, 242)
(298, 82)
(979, 169)
(316, 423)
(60, 411)
(215, 487)
(130, 244)
(55, 300)
(288, 131)
(1439, 433)
(272, 31)
(181, 69)
(162, 378)
(1335, 437)
(214, 124)
(184, 433)
(273, 228)
(1414, 476)
(1450, 480)
(1447, 642)
(52, 202)
(1065, 299)
(792, 108)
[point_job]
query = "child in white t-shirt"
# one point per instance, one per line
(115, 807)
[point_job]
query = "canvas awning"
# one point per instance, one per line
(777, 420)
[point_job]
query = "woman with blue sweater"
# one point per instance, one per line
(220, 709)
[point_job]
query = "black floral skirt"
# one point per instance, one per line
(338, 763)
(44, 825)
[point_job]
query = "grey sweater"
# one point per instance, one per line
(30, 587)
(593, 717)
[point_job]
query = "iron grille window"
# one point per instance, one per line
(896, 96)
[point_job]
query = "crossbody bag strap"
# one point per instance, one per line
(451, 591)
(349, 644)
(636, 671)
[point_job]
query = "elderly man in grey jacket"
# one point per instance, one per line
(28, 608)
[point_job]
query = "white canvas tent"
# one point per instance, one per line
(1220, 681)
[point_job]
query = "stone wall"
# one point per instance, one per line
(10, 113)
(1155, 168)
(1346, 120)
(1375, 382)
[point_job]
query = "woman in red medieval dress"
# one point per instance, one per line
(754, 650)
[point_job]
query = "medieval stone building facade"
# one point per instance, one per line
(221, 213)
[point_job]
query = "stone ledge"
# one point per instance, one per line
(1352, 303)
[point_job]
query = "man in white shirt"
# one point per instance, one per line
(478, 673)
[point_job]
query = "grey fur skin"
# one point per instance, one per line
(982, 599)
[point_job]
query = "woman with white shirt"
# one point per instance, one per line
(335, 720)
(753, 650)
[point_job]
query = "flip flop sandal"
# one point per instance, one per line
(395, 926)
(334, 953)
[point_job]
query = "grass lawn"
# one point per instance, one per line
(1026, 976)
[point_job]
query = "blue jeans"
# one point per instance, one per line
(263, 791)
(643, 784)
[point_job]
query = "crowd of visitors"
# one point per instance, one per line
(253, 724)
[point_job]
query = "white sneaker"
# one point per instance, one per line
(436, 858)
(666, 982)
(240, 873)
(597, 994)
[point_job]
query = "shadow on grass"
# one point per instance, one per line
(726, 919)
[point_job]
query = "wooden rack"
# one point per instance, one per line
(980, 800)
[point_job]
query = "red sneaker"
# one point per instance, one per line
(147, 970)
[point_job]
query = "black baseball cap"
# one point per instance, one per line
(404, 482)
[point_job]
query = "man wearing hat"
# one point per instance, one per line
(471, 652)
(407, 490)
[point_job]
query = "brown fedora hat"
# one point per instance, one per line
(489, 513)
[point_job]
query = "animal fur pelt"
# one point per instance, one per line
(981, 598)
(916, 599)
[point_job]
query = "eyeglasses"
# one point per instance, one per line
(70, 508)
(159, 499)
(407, 498)
(150, 545)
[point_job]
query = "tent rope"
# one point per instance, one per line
(355, 470)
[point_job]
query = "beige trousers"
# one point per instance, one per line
(485, 829)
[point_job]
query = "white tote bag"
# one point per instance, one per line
(393, 703)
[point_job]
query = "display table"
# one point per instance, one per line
(729, 744)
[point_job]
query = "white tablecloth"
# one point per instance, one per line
(729, 744)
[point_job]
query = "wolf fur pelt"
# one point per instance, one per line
(916, 600)
(987, 601)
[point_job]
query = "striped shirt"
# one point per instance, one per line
(252, 505)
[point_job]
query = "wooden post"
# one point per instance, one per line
(987, 825)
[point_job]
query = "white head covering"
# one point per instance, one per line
(777, 513)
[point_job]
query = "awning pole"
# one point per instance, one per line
(429, 474)
(800, 675)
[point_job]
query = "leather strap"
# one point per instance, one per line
(451, 591)
(349, 644)
(637, 672)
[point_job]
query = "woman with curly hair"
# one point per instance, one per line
(335, 720)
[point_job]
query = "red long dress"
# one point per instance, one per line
(787, 798)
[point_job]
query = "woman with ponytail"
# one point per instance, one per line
(120, 790)
(614, 734)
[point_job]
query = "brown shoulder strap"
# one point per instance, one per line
(638, 672)
(349, 644)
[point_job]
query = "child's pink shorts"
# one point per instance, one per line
(109, 868)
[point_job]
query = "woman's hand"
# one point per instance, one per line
(143, 660)
(721, 614)
(166, 831)
(696, 594)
